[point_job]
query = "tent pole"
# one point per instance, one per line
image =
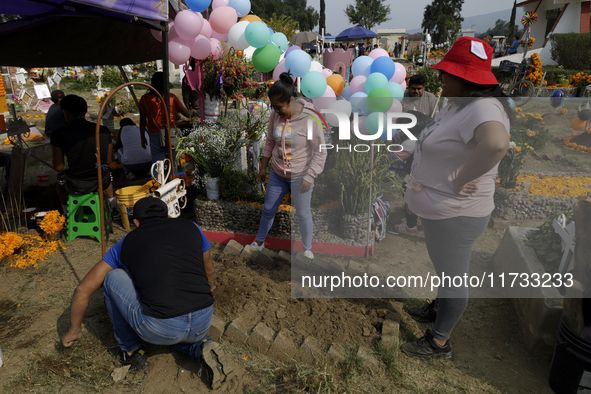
(166, 91)
(135, 100)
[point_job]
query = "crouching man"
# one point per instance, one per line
(158, 282)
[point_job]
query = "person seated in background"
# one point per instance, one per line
(55, 116)
(136, 161)
(416, 98)
(77, 142)
(158, 283)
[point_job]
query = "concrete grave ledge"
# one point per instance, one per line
(537, 309)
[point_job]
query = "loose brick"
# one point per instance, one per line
(337, 266)
(216, 330)
(261, 338)
(283, 347)
(232, 249)
(266, 258)
(236, 333)
(317, 265)
(335, 355)
(354, 268)
(309, 352)
(301, 262)
(249, 254)
(376, 270)
(368, 359)
(283, 257)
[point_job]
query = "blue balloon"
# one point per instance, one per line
(396, 90)
(346, 93)
(297, 63)
(557, 98)
(511, 103)
(375, 80)
(359, 103)
(384, 65)
(279, 40)
(198, 5)
(271, 31)
(362, 66)
(242, 7)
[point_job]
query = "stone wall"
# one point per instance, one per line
(518, 204)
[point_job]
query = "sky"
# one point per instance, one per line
(403, 15)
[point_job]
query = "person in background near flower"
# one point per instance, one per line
(152, 115)
(55, 116)
(135, 160)
(500, 49)
(158, 283)
(452, 181)
(514, 46)
(295, 160)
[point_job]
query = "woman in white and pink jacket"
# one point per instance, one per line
(295, 160)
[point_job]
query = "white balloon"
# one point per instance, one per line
(342, 106)
(236, 36)
(315, 66)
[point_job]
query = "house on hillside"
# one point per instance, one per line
(554, 16)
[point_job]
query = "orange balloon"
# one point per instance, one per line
(578, 124)
(239, 53)
(251, 18)
(336, 82)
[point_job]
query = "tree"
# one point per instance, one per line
(298, 10)
(512, 29)
(322, 22)
(443, 19)
(368, 13)
(500, 29)
(282, 24)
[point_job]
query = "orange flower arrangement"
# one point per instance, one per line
(574, 146)
(536, 76)
(34, 249)
(52, 222)
(556, 186)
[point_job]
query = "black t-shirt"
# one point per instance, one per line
(54, 119)
(78, 142)
(164, 258)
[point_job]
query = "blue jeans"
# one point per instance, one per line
(277, 188)
(158, 152)
(131, 326)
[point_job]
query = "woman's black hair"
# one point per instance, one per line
(283, 89)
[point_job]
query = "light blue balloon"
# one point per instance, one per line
(280, 41)
(257, 34)
(242, 7)
(359, 103)
(314, 84)
(346, 93)
(375, 80)
(362, 66)
(297, 63)
(384, 65)
(372, 123)
(396, 90)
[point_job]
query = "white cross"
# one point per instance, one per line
(567, 233)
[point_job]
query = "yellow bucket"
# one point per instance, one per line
(126, 198)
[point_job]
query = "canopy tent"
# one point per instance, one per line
(355, 33)
(80, 33)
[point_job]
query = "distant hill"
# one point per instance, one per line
(481, 22)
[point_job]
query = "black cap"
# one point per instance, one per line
(56, 95)
(150, 207)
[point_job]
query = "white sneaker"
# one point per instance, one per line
(258, 247)
(402, 228)
(309, 254)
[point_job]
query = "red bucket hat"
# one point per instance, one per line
(469, 58)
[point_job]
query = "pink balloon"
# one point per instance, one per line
(396, 106)
(172, 33)
(358, 84)
(280, 68)
(201, 48)
(399, 75)
(157, 34)
(219, 3)
(327, 99)
(215, 48)
(178, 51)
(188, 24)
(206, 30)
(403, 85)
(219, 37)
(222, 19)
(378, 53)
(326, 72)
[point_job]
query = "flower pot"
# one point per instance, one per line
(211, 109)
(510, 184)
(212, 189)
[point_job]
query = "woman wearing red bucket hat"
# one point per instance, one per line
(452, 182)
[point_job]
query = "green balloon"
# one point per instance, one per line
(379, 100)
(266, 58)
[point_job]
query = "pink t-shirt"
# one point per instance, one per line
(443, 149)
